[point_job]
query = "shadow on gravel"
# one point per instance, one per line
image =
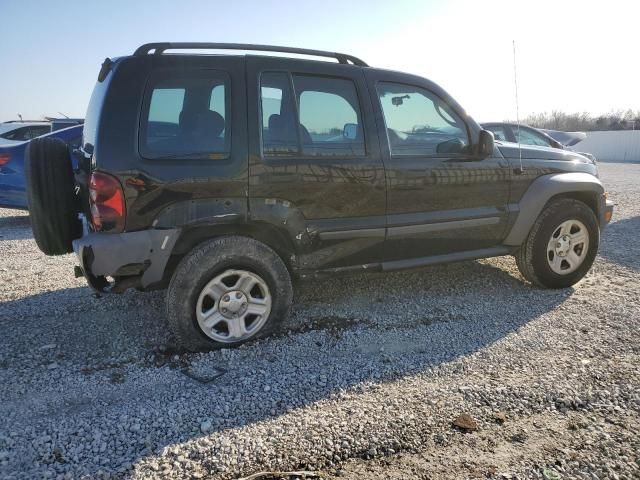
(17, 227)
(20, 219)
(619, 243)
(344, 333)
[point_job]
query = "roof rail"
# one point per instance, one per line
(159, 48)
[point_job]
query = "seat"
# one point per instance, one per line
(202, 130)
(279, 133)
(306, 136)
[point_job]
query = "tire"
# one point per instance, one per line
(51, 198)
(538, 259)
(194, 293)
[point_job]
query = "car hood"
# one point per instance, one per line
(512, 150)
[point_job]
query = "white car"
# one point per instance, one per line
(16, 132)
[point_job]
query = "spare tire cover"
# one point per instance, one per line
(51, 195)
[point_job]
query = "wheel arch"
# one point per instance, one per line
(265, 233)
(577, 185)
(588, 198)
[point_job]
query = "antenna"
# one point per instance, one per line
(520, 170)
(65, 116)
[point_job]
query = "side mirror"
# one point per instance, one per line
(556, 144)
(350, 131)
(485, 144)
(455, 145)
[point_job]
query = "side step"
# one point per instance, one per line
(447, 258)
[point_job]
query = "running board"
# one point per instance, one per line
(449, 257)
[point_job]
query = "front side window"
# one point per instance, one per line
(186, 116)
(528, 137)
(419, 123)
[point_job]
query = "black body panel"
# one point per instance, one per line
(153, 185)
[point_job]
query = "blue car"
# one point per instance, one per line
(12, 181)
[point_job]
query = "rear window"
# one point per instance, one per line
(26, 133)
(186, 115)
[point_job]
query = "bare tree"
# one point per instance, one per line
(583, 121)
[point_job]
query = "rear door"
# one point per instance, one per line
(441, 198)
(315, 168)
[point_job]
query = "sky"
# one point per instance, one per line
(571, 55)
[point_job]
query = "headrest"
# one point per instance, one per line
(203, 123)
(275, 122)
(210, 123)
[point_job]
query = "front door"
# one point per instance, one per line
(441, 197)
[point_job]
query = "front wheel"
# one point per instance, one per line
(227, 291)
(561, 246)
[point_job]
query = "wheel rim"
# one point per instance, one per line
(568, 246)
(233, 306)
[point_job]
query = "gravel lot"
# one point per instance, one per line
(364, 384)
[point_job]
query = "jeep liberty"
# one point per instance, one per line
(222, 177)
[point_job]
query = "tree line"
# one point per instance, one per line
(585, 122)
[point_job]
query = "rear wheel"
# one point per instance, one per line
(50, 195)
(561, 246)
(227, 291)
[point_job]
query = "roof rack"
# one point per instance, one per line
(159, 48)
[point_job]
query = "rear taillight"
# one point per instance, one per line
(4, 159)
(106, 199)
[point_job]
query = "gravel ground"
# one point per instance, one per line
(364, 383)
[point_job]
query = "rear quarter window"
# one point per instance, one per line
(90, 128)
(185, 115)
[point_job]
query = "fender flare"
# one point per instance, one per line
(542, 190)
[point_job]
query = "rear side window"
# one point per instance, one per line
(186, 115)
(320, 117)
(279, 132)
(526, 136)
(330, 122)
(25, 133)
(499, 132)
(39, 130)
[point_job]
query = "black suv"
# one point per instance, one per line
(225, 176)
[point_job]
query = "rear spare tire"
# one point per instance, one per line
(51, 195)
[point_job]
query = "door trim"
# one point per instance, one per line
(406, 230)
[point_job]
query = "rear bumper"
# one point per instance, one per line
(132, 259)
